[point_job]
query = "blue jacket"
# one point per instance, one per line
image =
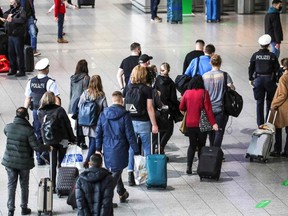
(115, 134)
(204, 66)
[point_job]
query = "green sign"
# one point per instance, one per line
(263, 203)
(186, 7)
(285, 183)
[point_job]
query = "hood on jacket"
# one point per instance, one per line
(77, 77)
(164, 80)
(114, 112)
(273, 10)
(94, 174)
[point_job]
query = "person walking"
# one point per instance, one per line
(193, 100)
(114, 136)
(199, 47)
(94, 189)
(94, 93)
(59, 14)
(214, 81)
(154, 10)
(18, 158)
(79, 82)
(35, 89)
(63, 131)
(15, 23)
(128, 64)
(273, 26)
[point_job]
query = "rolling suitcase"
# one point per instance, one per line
(262, 141)
(156, 165)
(213, 11)
(210, 162)
(174, 11)
(86, 3)
(45, 195)
(65, 180)
(29, 58)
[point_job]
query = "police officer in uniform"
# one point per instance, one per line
(35, 89)
(262, 70)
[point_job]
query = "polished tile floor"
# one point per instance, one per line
(102, 36)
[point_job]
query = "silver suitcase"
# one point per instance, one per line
(45, 195)
(262, 141)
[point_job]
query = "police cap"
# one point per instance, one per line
(42, 64)
(264, 40)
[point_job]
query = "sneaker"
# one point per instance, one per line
(62, 40)
(26, 211)
(156, 19)
(131, 179)
(189, 171)
(124, 197)
(20, 74)
(35, 53)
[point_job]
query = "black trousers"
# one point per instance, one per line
(58, 154)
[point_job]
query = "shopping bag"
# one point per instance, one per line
(73, 157)
(183, 127)
(140, 172)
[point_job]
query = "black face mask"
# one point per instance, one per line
(140, 53)
(280, 9)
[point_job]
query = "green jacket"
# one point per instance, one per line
(21, 141)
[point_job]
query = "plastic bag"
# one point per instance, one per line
(140, 172)
(73, 157)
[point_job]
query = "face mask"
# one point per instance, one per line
(280, 9)
(140, 53)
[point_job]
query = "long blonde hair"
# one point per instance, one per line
(95, 88)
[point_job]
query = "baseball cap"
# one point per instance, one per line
(145, 58)
(42, 64)
(264, 40)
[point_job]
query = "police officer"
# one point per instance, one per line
(35, 89)
(262, 70)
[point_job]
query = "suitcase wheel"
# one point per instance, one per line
(59, 195)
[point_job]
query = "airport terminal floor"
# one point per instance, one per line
(102, 36)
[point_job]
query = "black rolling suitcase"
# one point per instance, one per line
(65, 180)
(29, 58)
(86, 3)
(210, 163)
(45, 195)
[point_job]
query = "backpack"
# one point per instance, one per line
(232, 101)
(135, 101)
(88, 112)
(50, 128)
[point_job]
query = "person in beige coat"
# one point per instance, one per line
(280, 103)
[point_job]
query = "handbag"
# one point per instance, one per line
(204, 124)
(183, 127)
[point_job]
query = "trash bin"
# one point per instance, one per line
(245, 6)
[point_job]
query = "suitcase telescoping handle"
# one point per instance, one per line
(158, 142)
(274, 117)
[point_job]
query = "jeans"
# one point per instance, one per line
(92, 147)
(154, 8)
(60, 25)
(32, 32)
(117, 181)
(196, 139)
(264, 86)
(58, 154)
(143, 129)
(16, 53)
(216, 137)
(274, 49)
(13, 175)
(37, 131)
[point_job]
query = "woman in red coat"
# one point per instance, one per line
(192, 103)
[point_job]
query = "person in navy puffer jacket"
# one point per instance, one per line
(115, 134)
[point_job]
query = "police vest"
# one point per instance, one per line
(38, 89)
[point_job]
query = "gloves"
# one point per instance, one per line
(251, 83)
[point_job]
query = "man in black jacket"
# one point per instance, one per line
(18, 158)
(15, 19)
(94, 189)
(273, 26)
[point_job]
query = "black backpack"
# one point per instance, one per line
(51, 127)
(135, 101)
(232, 101)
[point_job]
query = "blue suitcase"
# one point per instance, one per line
(174, 11)
(156, 165)
(213, 11)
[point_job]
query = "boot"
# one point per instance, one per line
(11, 213)
(189, 170)
(124, 197)
(26, 211)
(131, 179)
(62, 40)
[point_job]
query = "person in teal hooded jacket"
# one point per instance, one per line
(273, 26)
